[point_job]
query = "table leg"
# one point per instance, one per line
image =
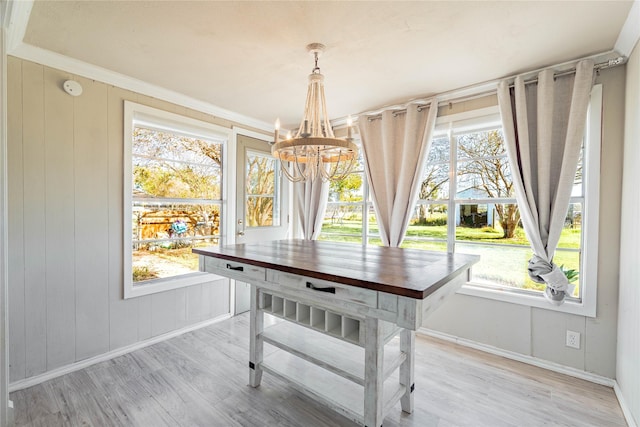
(373, 374)
(256, 344)
(407, 345)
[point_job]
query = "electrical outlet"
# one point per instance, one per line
(573, 339)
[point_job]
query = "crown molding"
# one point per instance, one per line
(16, 19)
(630, 32)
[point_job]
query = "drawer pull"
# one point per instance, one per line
(315, 288)
(239, 268)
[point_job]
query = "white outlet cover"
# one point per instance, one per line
(573, 339)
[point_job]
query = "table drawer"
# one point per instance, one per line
(325, 289)
(234, 270)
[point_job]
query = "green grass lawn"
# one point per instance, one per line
(499, 264)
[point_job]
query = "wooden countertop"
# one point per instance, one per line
(408, 272)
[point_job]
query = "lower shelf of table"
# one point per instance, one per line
(341, 358)
(334, 391)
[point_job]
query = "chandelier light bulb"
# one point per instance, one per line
(277, 130)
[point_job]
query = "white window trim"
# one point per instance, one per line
(188, 126)
(589, 261)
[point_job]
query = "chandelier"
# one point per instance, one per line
(315, 151)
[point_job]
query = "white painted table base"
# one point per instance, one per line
(374, 410)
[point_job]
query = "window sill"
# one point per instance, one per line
(538, 301)
(167, 284)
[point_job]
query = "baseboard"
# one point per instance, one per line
(10, 413)
(541, 363)
(628, 416)
(35, 380)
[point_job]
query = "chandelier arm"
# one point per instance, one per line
(323, 105)
(288, 174)
(313, 110)
(303, 173)
(305, 116)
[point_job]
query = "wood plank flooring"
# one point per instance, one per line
(200, 379)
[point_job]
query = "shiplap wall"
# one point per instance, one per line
(538, 332)
(628, 368)
(65, 190)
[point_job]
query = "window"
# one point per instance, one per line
(173, 197)
(262, 193)
(477, 212)
(349, 216)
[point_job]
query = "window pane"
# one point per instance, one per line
(165, 233)
(175, 180)
(507, 266)
(173, 146)
(435, 182)
(428, 221)
(501, 265)
(483, 171)
(349, 189)
(439, 151)
(260, 212)
(373, 221)
(485, 178)
(499, 222)
(263, 203)
(343, 217)
(427, 228)
(571, 236)
(504, 247)
(481, 144)
(342, 222)
(570, 260)
(578, 187)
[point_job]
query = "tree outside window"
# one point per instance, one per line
(176, 192)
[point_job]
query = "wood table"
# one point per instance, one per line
(351, 314)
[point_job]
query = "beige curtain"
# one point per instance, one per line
(544, 125)
(394, 148)
(311, 203)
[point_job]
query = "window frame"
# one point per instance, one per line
(165, 120)
(586, 306)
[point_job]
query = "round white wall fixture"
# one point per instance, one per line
(73, 88)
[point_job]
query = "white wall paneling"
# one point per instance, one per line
(122, 313)
(91, 220)
(5, 404)
(15, 236)
(33, 199)
(65, 228)
(628, 369)
(59, 238)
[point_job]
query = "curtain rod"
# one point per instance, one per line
(422, 103)
(596, 67)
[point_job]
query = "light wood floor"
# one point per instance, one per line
(200, 379)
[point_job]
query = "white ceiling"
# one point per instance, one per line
(249, 57)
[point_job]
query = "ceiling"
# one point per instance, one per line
(249, 57)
